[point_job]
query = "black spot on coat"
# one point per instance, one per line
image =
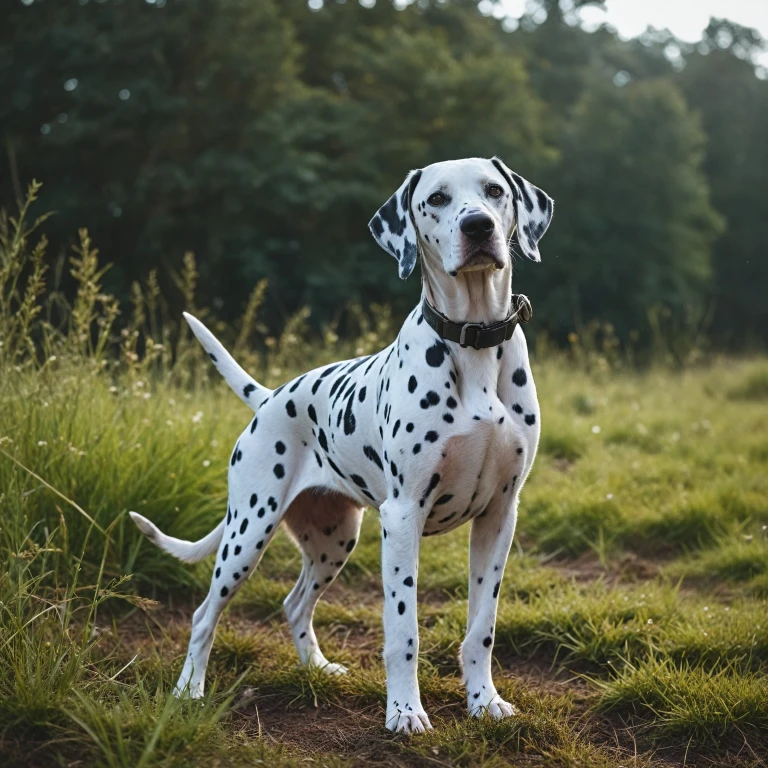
(436, 354)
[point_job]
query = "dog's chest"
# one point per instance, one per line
(468, 428)
(483, 459)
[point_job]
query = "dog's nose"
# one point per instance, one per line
(477, 226)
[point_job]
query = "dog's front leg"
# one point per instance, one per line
(489, 546)
(402, 525)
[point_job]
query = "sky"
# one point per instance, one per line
(686, 19)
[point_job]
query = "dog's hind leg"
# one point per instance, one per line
(249, 527)
(326, 527)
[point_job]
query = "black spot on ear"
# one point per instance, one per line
(542, 200)
(248, 388)
(377, 226)
(391, 217)
(408, 260)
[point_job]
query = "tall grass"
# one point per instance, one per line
(640, 567)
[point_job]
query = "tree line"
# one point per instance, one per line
(263, 134)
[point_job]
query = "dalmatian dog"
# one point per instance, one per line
(431, 431)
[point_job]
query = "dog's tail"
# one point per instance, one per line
(186, 551)
(244, 386)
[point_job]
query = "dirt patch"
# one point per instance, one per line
(626, 568)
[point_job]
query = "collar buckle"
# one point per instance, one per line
(463, 336)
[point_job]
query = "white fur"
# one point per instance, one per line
(431, 434)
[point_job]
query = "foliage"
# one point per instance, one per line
(263, 135)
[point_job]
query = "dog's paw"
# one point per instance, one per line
(496, 707)
(408, 722)
(189, 692)
(331, 668)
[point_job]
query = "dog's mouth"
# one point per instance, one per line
(481, 259)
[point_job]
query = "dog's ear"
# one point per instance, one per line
(533, 207)
(393, 227)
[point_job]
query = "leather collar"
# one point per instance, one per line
(479, 335)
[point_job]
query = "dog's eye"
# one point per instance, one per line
(437, 198)
(494, 190)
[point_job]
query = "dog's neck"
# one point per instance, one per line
(483, 296)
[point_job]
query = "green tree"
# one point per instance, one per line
(719, 82)
(634, 221)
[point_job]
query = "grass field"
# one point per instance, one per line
(633, 621)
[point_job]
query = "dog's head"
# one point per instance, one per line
(462, 213)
